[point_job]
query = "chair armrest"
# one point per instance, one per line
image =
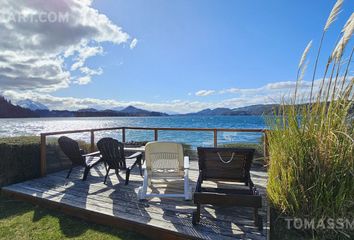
(92, 154)
(135, 155)
(186, 162)
(138, 156)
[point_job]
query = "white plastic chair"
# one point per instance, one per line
(165, 160)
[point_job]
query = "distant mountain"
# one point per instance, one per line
(96, 113)
(56, 113)
(259, 109)
(216, 111)
(88, 110)
(172, 113)
(8, 110)
(32, 105)
(133, 111)
(117, 108)
(130, 111)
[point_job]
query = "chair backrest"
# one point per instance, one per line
(164, 156)
(225, 163)
(112, 152)
(72, 150)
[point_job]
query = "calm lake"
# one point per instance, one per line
(29, 127)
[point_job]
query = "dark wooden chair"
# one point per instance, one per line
(230, 165)
(112, 152)
(77, 156)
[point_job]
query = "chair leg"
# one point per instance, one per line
(127, 174)
(86, 172)
(140, 165)
(105, 178)
(258, 221)
(255, 216)
(196, 215)
(143, 189)
(187, 190)
(67, 176)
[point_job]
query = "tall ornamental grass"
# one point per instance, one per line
(311, 168)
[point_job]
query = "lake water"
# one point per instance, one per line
(35, 126)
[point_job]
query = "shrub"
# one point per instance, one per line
(20, 158)
(311, 167)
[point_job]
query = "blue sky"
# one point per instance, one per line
(184, 47)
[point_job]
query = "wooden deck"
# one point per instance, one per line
(116, 205)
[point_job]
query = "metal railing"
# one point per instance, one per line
(156, 137)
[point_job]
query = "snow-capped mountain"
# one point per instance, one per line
(32, 105)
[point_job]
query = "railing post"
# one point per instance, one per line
(92, 141)
(43, 155)
(156, 135)
(215, 138)
(123, 134)
(265, 146)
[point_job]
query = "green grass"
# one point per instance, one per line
(23, 140)
(21, 221)
(26, 140)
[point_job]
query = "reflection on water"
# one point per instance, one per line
(35, 126)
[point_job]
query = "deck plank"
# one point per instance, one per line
(137, 209)
(119, 195)
(160, 218)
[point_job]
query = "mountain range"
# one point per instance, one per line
(260, 109)
(125, 112)
(28, 108)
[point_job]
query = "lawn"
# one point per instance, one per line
(20, 220)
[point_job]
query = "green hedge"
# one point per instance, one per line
(20, 159)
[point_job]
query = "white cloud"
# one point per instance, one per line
(33, 53)
(275, 89)
(83, 80)
(203, 93)
(84, 52)
(133, 43)
(90, 71)
(281, 85)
